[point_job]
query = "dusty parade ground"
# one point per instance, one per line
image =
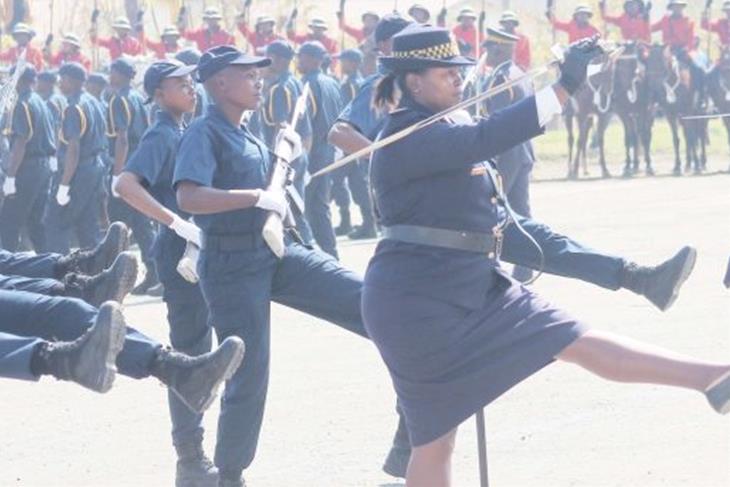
(330, 415)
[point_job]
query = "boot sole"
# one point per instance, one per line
(116, 242)
(689, 265)
(234, 362)
(127, 277)
(97, 369)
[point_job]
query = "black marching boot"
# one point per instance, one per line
(90, 360)
(660, 284)
(195, 380)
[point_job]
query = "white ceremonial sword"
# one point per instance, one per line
(615, 52)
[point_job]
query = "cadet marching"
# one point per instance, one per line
(216, 162)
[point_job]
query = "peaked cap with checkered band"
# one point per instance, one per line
(423, 46)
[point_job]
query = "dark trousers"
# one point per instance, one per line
(25, 209)
(353, 180)
(238, 287)
(16, 353)
(38, 285)
(190, 330)
(27, 264)
(81, 214)
(319, 216)
(65, 319)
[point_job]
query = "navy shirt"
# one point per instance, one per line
(436, 178)
(126, 111)
(32, 121)
(324, 107)
(154, 160)
(83, 119)
(215, 153)
(279, 101)
(56, 105)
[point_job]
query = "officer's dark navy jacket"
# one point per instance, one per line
(436, 178)
(279, 101)
(83, 119)
(215, 153)
(127, 111)
(32, 122)
(325, 106)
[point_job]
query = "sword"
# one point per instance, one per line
(614, 53)
(706, 117)
(281, 180)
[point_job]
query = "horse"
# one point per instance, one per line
(631, 104)
(593, 100)
(718, 86)
(678, 92)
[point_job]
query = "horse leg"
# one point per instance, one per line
(646, 125)
(601, 133)
(675, 140)
(628, 142)
(584, 147)
(571, 142)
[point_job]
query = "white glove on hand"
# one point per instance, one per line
(9, 186)
(62, 196)
(290, 136)
(187, 230)
(273, 201)
(115, 180)
(53, 164)
(187, 267)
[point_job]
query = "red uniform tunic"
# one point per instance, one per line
(257, 41)
(357, 34)
(575, 31)
(467, 36)
(523, 55)
(632, 28)
(720, 27)
(117, 47)
(676, 31)
(205, 39)
(33, 56)
(60, 58)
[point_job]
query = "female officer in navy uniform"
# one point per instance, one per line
(454, 329)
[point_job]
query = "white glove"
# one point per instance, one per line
(189, 263)
(290, 136)
(273, 201)
(62, 196)
(9, 186)
(53, 164)
(115, 180)
(186, 230)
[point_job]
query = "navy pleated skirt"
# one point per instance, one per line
(448, 361)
